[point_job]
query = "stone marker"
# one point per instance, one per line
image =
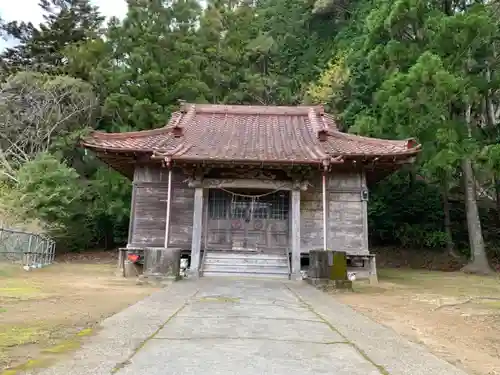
(162, 263)
(338, 271)
(318, 265)
(328, 269)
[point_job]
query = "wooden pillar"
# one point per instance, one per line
(325, 234)
(132, 216)
(373, 270)
(121, 261)
(295, 234)
(167, 214)
(364, 205)
(194, 269)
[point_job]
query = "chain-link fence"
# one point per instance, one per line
(28, 249)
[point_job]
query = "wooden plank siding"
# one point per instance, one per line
(150, 206)
(346, 212)
(346, 221)
(148, 225)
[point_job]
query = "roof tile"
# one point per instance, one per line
(249, 133)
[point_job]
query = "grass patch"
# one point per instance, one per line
(7, 270)
(85, 332)
(448, 283)
(63, 347)
(4, 272)
(437, 288)
(491, 304)
(92, 268)
(408, 276)
(21, 336)
(452, 313)
(29, 365)
(24, 292)
(365, 288)
(15, 335)
(14, 287)
(42, 312)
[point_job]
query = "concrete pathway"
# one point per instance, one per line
(247, 327)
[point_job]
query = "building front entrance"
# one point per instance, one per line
(247, 221)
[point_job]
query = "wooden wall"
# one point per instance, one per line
(149, 206)
(346, 214)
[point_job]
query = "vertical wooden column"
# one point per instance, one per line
(197, 230)
(295, 234)
(167, 215)
(364, 205)
(132, 216)
(325, 234)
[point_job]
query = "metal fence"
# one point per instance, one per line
(29, 249)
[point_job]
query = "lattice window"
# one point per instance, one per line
(218, 204)
(280, 205)
(224, 205)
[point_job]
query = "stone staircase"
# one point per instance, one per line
(246, 264)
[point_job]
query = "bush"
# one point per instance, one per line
(406, 212)
(53, 193)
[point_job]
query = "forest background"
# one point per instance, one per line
(385, 68)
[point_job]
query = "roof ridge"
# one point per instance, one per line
(329, 121)
(370, 140)
(238, 109)
(313, 119)
(132, 134)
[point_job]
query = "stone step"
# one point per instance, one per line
(218, 263)
(247, 260)
(235, 255)
(245, 268)
(281, 276)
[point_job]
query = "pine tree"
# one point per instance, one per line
(423, 69)
(150, 61)
(42, 47)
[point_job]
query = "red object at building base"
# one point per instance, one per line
(133, 257)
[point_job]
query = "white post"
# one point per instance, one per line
(295, 235)
(364, 205)
(324, 212)
(194, 268)
(167, 218)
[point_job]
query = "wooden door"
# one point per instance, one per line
(245, 222)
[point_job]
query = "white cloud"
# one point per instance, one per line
(29, 11)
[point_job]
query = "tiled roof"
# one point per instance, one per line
(303, 134)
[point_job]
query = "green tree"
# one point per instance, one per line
(52, 192)
(41, 48)
(42, 113)
(149, 62)
(423, 69)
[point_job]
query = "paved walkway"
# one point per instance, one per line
(247, 327)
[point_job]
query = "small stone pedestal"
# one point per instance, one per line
(161, 264)
(328, 270)
(126, 268)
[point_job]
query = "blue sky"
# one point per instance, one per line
(28, 10)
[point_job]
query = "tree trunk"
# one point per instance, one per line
(450, 245)
(497, 197)
(497, 201)
(478, 260)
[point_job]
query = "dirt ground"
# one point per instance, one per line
(46, 312)
(456, 316)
